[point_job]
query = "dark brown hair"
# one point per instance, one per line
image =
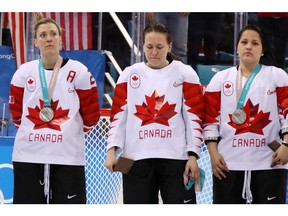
(163, 29)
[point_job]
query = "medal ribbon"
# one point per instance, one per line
(48, 92)
(247, 85)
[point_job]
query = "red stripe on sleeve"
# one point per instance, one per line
(212, 107)
(89, 106)
(194, 98)
(15, 103)
(120, 99)
(282, 99)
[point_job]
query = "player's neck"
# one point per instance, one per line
(49, 62)
(246, 70)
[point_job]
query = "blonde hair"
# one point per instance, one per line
(40, 19)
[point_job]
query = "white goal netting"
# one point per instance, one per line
(104, 187)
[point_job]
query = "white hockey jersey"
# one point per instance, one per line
(76, 110)
(244, 147)
(157, 113)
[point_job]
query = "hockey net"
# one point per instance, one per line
(103, 187)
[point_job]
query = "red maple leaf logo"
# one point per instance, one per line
(227, 85)
(255, 120)
(134, 78)
(30, 81)
(155, 111)
(60, 116)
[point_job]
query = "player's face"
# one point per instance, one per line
(250, 47)
(156, 49)
(48, 39)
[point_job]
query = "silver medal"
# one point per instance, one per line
(46, 114)
(239, 116)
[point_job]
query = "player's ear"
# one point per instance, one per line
(35, 43)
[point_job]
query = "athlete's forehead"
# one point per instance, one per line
(47, 27)
(155, 38)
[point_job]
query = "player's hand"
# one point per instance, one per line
(219, 167)
(191, 169)
(110, 159)
(281, 155)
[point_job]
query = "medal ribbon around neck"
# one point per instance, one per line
(46, 113)
(246, 87)
(239, 116)
(47, 94)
